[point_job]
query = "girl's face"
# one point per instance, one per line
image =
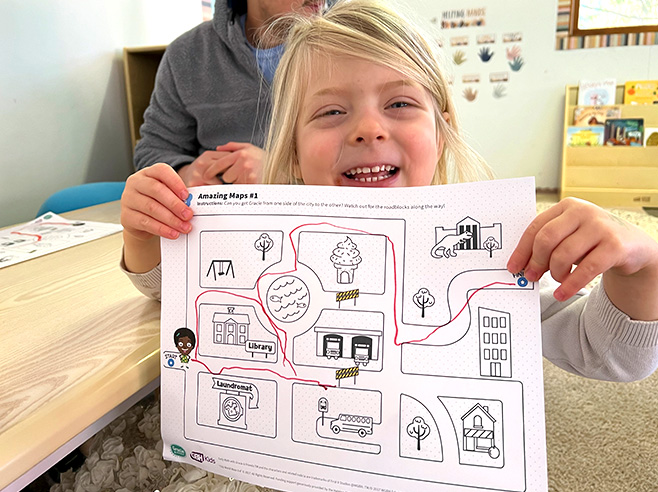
(364, 124)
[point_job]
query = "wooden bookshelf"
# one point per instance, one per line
(140, 66)
(611, 176)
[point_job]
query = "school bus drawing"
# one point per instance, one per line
(359, 424)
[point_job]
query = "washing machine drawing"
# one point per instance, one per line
(232, 410)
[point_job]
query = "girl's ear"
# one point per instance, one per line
(446, 117)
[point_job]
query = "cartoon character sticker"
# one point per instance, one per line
(185, 342)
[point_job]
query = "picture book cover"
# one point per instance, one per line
(594, 115)
(585, 136)
(628, 131)
(651, 137)
(597, 92)
(641, 92)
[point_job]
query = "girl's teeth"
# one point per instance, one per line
(384, 168)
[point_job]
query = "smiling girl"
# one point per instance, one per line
(360, 100)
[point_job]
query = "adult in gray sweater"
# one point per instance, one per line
(210, 107)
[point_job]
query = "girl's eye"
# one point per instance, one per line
(180, 344)
(331, 112)
(399, 104)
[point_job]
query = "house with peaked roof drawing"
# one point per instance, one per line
(478, 429)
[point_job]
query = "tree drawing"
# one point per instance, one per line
(264, 243)
(490, 244)
(423, 299)
(419, 430)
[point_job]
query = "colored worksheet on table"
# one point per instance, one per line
(47, 234)
(336, 338)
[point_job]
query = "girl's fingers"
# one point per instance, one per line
(540, 241)
(162, 213)
(568, 253)
(144, 226)
(169, 177)
(152, 203)
(523, 252)
(164, 188)
(149, 215)
(596, 262)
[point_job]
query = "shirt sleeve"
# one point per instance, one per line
(148, 283)
(168, 133)
(589, 336)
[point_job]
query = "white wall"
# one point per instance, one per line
(63, 118)
(521, 134)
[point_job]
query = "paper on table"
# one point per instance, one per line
(339, 339)
(47, 234)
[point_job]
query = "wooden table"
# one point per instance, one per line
(80, 346)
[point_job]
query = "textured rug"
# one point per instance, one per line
(601, 437)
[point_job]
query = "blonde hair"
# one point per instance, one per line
(369, 30)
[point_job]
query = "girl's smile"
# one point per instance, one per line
(364, 124)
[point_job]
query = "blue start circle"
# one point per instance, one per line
(170, 362)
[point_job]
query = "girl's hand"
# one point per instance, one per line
(576, 232)
(152, 204)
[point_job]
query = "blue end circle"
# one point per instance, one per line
(522, 281)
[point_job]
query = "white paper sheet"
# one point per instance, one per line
(355, 339)
(47, 234)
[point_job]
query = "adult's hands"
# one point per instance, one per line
(234, 162)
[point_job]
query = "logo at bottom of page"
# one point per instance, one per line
(177, 450)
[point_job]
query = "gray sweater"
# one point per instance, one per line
(587, 335)
(208, 91)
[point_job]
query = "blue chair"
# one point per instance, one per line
(84, 195)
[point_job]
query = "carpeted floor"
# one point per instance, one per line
(601, 437)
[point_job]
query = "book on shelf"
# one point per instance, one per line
(651, 137)
(594, 115)
(585, 136)
(597, 92)
(641, 92)
(624, 131)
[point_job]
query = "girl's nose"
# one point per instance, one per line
(369, 129)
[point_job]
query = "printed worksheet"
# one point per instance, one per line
(47, 234)
(350, 339)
